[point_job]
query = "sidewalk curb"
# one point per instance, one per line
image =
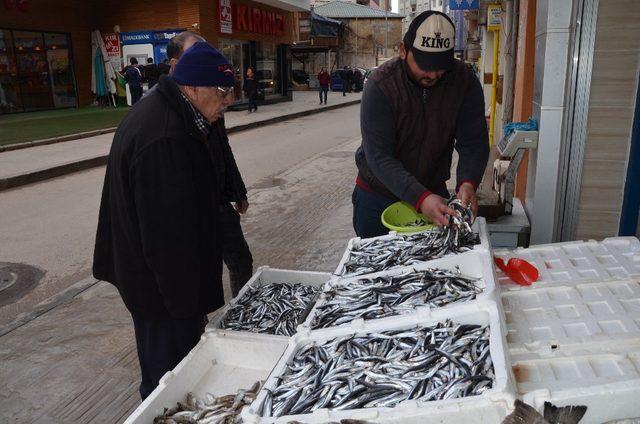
(42, 308)
(84, 164)
(54, 140)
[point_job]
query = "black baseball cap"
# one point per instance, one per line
(431, 38)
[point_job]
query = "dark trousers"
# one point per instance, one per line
(367, 213)
(136, 94)
(324, 89)
(253, 102)
(162, 343)
(235, 250)
(345, 87)
(152, 83)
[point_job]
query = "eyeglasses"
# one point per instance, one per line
(225, 91)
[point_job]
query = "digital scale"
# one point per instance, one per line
(511, 149)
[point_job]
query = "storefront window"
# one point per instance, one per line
(61, 72)
(36, 71)
(236, 52)
(10, 100)
(267, 70)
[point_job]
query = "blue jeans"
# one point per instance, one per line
(324, 89)
(367, 213)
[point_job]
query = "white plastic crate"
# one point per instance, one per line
(578, 261)
(491, 407)
(607, 383)
(219, 364)
(565, 318)
(480, 227)
(266, 275)
(474, 264)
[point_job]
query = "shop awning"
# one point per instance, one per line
(290, 5)
(324, 27)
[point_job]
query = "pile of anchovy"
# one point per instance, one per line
(374, 255)
(275, 308)
(371, 298)
(443, 361)
(220, 410)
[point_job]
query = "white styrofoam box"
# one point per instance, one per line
(608, 383)
(573, 317)
(490, 407)
(578, 261)
(473, 264)
(219, 364)
(266, 275)
(479, 226)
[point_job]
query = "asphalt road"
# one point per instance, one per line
(51, 225)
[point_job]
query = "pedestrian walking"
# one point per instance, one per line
(344, 76)
(250, 88)
(151, 73)
(324, 79)
(350, 77)
(159, 238)
(415, 110)
(133, 77)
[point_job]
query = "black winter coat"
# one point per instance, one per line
(158, 237)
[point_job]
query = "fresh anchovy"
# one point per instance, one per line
(221, 410)
(275, 308)
(374, 255)
(371, 298)
(443, 361)
(417, 223)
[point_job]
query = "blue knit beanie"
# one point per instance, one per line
(203, 66)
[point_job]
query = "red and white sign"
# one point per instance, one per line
(225, 17)
(112, 44)
(252, 19)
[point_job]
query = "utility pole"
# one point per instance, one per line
(386, 29)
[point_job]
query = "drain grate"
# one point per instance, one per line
(16, 280)
(7, 279)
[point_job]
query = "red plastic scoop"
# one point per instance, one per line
(518, 270)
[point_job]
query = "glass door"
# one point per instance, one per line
(232, 50)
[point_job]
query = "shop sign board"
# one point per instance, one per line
(21, 5)
(141, 37)
(225, 17)
(494, 17)
(252, 19)
(166, 35)
(464, 4)
(112, 44)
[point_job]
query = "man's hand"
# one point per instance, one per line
(467, 195)
(242, 206)
(435, 207)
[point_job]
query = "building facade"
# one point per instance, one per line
(45, 47)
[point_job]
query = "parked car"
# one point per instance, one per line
(300, 76)
(368, 74)
(337, 81)
(266, 83)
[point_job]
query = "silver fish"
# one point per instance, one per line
(219, 410)
(442, 361)
(374, 255)
(275, 308)
(384, 296)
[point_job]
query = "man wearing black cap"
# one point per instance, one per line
(158, 239)
(415, 110)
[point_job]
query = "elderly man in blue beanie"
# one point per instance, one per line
(158, 238)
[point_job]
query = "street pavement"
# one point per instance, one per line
(24, 166)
